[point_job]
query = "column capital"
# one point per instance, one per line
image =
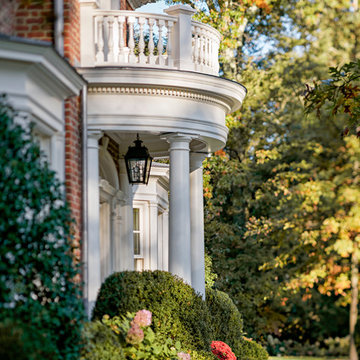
(196, 160)
(179, 141)
(95, 134)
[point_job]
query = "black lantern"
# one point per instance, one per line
(138, 163)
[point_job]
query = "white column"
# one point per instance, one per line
(116, 220)
(197, 223)
(165, 233)
(153, 243)
(93, 248)
(127, 240)
(179, 218)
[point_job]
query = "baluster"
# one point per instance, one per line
(121, 22)
(208, 54)
(197, 46)
(100, 40)
(111, 39)
(202, 48)
(216, 56)
(161, 43)
(132, 57)
(142, 57)
(170, 60)
(151, 45)
(211, 50)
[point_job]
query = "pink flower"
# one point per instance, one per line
(222, 351)
(183, 356)
(142, 318)
(135, 335)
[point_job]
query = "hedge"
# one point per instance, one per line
(178, 312)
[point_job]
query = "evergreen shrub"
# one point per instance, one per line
(227, 323)
(202, 355)
(250, 350)
(178, 312)
(37, 269)
(100, 343)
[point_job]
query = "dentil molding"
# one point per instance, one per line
(155, 91)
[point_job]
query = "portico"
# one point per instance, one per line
(177, 105)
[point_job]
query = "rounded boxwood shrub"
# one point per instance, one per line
(37, 272)
(227, 323)
(250, 350)
(101, 343)
(178, 312)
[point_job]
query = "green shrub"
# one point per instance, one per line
(210, 276)
(226, 319)
(36, 259)
(21, 342)
(250, 350)
(100, 343)
(202, 355)
(178, 312)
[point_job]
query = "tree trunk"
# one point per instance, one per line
(354, 300)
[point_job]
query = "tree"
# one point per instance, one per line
(341, 94)
(275, 182)
(39, 287)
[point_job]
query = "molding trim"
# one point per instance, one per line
(155, 91)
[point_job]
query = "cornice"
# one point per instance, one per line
(219, 89)
(156, 91)
(45, 61)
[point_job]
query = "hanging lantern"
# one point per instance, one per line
(138, 163)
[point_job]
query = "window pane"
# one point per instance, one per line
(136, 220)
(137, 250)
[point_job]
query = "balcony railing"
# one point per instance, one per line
(128, 38)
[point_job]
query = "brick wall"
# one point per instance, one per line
(73, 121)
(35, 21)
(73, 164)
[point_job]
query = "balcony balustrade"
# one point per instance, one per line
(128, 38)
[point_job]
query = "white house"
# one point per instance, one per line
(155, 75)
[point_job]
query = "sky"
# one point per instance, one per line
(157, 7)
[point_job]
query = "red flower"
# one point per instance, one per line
(222, 351)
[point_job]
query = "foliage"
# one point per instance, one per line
(210, 276)
(100, 343)
(178, 312)
(37, 269)
(139, 341)
(202, 355)
(282, 176)
(225, 318)
(340, 93)
(250, 350)
(21, 342)
(331, 347)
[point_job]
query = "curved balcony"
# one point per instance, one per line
(129, 38)
(155, 74)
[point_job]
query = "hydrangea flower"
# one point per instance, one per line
(183, 356)
(135, 335)
(142, 318)
(222, 351)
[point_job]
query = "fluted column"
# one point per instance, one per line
(93, 246)
(179, 209)
(197, 223)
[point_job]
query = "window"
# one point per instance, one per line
(138, 242)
